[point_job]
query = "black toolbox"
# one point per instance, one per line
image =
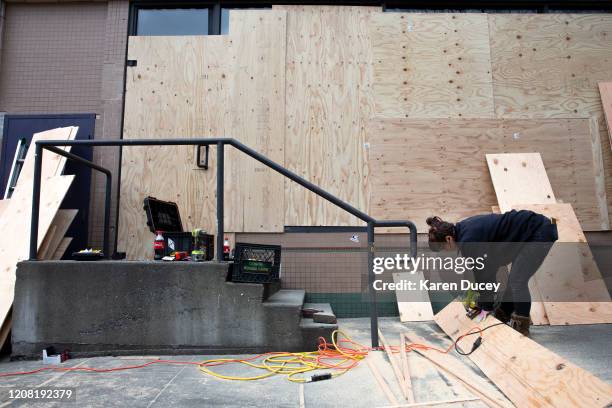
(164, 216)
(256, 263)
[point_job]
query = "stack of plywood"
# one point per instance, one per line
(568, 288)
(15, 218)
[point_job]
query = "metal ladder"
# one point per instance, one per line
(18, 160)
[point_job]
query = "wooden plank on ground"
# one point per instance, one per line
(569, 281)
(414, 305)
(605, 91)
(384, 387)
(458, 370)
(519, 178)
(528, 374)
(406, 369)
(56, 232)
(61, 249)
(395, 364)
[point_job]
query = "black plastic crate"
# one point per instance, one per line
(256, 263)
(210, 246)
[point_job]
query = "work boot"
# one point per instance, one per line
(520, 323)
(501, 315)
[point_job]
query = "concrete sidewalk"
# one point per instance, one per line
(185, 386)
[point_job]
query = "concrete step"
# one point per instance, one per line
(311, 331)
(286, 298)
(325, 313)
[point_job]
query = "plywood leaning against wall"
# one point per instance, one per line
(434, 65)
(16, 217)
(605, 90)
(528, 374)
(419, 167)
(518, 179)
(329, 80)
(569, 282)
(206, 86)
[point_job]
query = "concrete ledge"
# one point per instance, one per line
(122, 307)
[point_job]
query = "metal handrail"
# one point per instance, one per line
(52, 145)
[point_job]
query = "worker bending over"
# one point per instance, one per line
(501, 239)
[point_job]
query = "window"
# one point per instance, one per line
(178, 21)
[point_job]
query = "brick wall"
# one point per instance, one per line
(68, 58)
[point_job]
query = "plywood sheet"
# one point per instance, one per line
(549, 66)
(569, 281)
(56, 232)
(519, 178)
(420, 168)
(528, 374)
(209, 86)
(447, 363)
(433, 65)
(605, 91)
(414, 306)
(3, 205)
(329, 80)
(61, 248)
(14, 247)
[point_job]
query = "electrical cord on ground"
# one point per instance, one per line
(337, 358)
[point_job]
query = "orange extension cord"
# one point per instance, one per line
(333, 356)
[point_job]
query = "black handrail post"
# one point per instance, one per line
(220, 175)
(373, 306)
(107, 205)
(38, 153)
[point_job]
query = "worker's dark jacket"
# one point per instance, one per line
(500, 237)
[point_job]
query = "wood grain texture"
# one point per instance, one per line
(599, 172)
(61, 248)
(414, 306)
(437, 167)
(569, 282)
(3, 205)
(452, 366)
(434, 65)
(605, 91)
(208, 86)
(329, 102)
(519, 178)
(60, 224)
(528, 374)
(14, 247)
(549, 66)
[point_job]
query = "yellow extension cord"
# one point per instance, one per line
(291, 364)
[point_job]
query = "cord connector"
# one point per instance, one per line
(320, 377)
